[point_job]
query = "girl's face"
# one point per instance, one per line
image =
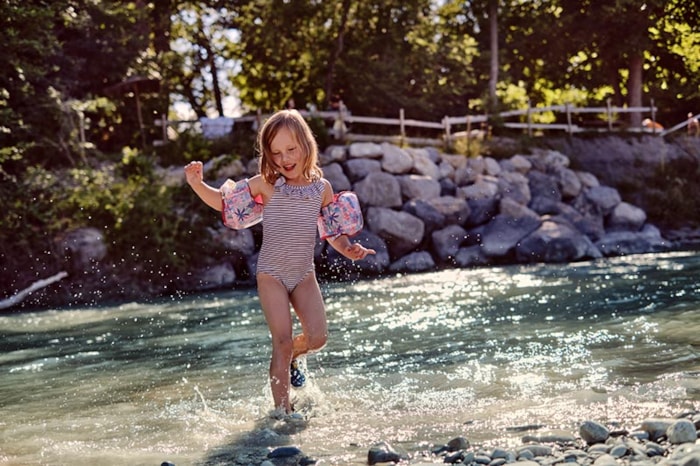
(286, 155)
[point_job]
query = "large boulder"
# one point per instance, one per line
(379, 189)
(556, 240)
(419, 187)
(402, 231)
(395, 159)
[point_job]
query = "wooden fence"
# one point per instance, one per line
(468, 126)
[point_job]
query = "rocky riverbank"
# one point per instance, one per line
(424, 210)
(655, 442)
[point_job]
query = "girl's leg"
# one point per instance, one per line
(308, 305)
(274, 300)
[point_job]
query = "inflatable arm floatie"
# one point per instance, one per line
(239, 209)
(343, 216)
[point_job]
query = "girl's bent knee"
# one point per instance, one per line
(317, 342)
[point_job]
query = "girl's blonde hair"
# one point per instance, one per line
(294, 122)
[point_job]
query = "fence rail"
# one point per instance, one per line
(474, 125)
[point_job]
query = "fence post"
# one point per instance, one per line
(529, 117)
(448, 136)
(609, 102)
(402, 125)
(568, 119)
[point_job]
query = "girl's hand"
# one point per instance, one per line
(194, 173)
(357, 252)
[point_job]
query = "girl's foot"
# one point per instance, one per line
(297, 378)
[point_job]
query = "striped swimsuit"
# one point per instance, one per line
(289, 232)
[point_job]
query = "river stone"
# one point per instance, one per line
(593, 432)
(284, 452)
(626, 217)
(553, 242)
(402, 231)
(420, 261)
(379, 189)
(681, 431)
(515, 186)
(359, 169)
(395, 159)
(504, 232)
(447, 241)
(365, 150)
(605, 460)
(470, 256)
(458, 443)
(423, 163)
(432, 218)
(455, 210)
(484, 187)
(656, 427)
(619, 450)
(536, 449)
(333, 153)
(336, 176)
(383, 453)
(569, 183)
(604, 198)
(543, 185)
(419, 187)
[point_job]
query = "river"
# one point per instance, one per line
(414, 360)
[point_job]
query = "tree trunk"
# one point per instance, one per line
(330, 75)
(634, 89)
(493, 78)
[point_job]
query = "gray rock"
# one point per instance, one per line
(365, 150)
(447, 241)
(419, 187)
(333, 154)
(336, 176)
(554, 242)
(656, 427)
(455, 210)
(358, 169)
(470, 256)
(593, 432)
(379, 189)
(423, 163)
(484, 187)
(458, 443)
(626, 217)
(605, 460)
(604, 198)
(504, 232)
(681, 431)
(395, 159)
(432, 218)
(420, 261)
(383, 453)
(402, 231)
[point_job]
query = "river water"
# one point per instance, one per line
(413, 360)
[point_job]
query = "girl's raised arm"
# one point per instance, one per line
(194, 173)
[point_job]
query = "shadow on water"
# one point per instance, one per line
(253, 446)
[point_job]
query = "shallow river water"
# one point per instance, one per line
(413, 360)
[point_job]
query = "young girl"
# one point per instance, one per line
(293, 193)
